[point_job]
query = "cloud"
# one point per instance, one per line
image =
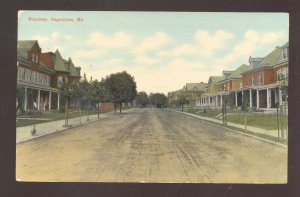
(92, 53)
(145, 60)
(210, 43)
(117, 40)
(253, 41)
(205, 44)
(153, 42)
(182, 50)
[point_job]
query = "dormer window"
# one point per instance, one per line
(285, 53)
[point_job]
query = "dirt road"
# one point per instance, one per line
(151, 145)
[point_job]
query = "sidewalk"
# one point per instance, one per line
(273, 133)
(24, 133)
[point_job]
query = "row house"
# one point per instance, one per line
(261, 85)
(37, 76)
(220, 87)
(190, 90)
(265, 83)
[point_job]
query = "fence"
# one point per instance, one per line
(272, 122)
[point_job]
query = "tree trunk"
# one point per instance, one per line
(120, 107)
(98, 109)
(115, 106)
(182, 108)
(80, 112)
(66, 112)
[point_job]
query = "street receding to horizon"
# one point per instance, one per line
(150, 145)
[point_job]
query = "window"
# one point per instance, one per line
(285, 53)
(284, 95)
(33, 57)
(27, 75)
(260, 79)
(59, 81)
(252, 81)
(21, 75)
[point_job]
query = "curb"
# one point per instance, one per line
(67, 128)
(228, 129)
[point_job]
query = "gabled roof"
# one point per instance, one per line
(59, 62)
(272, 59)
(194, 86)
(237, 74)
(215, 79)
(74, 71)
(26, 44)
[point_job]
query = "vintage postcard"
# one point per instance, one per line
(155, 97)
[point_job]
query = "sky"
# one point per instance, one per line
(162, 50)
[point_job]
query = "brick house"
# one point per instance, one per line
(64, 71)
(265, 82)
(223, 86)
(212, 96)
(34, 87)
(40, 75)
(190, 90)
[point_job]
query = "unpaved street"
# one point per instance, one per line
(150, 145)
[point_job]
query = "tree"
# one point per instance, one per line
(122, 87)
(142, 99)
(87, 92)
(67, 91)
(158, 99)
(100, 93)
(182, 100)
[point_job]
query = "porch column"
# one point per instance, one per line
(250, 94)
(25, 99)
(217, 100)
(207, 100)
(58, 101)
(236, 99)
(49, 100)
(268, 98)
(280, 95)
(242, 97)
(39, 99)
(221, 100)
(257, 99)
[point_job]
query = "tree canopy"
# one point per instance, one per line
(142, 99)
(122, 87)
(158, 99)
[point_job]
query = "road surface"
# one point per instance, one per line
(150, 145)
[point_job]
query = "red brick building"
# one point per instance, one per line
(38, 76)
(265, 83)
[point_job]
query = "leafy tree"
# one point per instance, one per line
(87, 92)
(100, 93)
(122, 87)
(182, 100)
(142, 98)
(158, 99)
(67, 91)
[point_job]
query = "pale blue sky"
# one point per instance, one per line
(162, 50)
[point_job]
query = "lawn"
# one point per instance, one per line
(260, 120)
(263, 121)
(51, 116)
